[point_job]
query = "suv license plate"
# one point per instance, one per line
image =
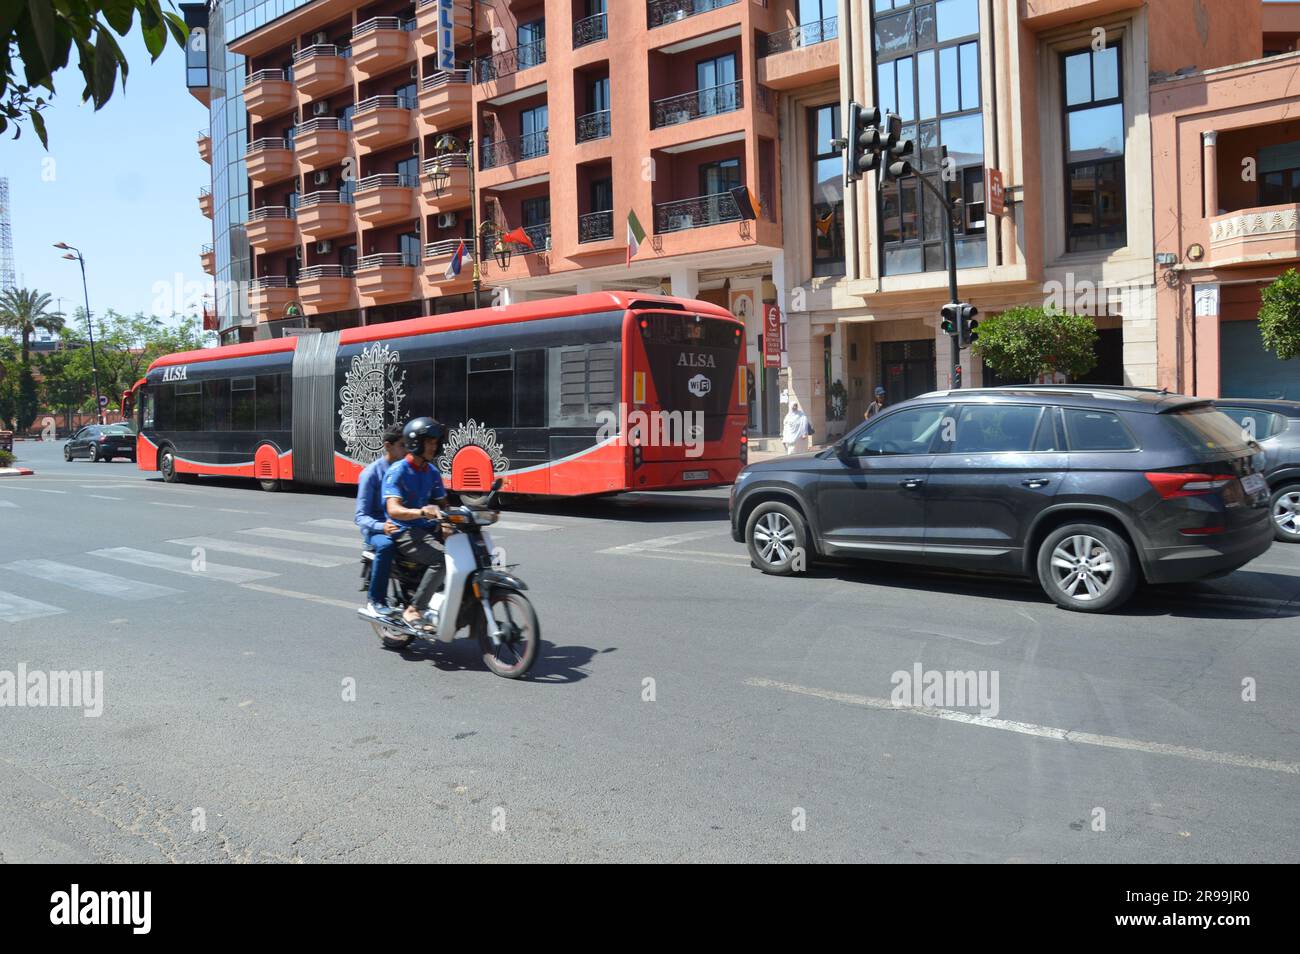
(695, 475)
(1253, 484)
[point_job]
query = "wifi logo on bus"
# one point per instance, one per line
(699, 385)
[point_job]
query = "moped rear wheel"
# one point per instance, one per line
(513, 656)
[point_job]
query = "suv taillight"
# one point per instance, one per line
(1170, 485)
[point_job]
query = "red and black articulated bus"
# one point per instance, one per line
(591, 394)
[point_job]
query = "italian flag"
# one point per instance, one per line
(635, 236)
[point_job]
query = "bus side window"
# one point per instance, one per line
(490, 390)
(147, 412)
(187, 407)
(530, 388)
(268, 402)
(243, 401)
(449, 391)
(216, 405)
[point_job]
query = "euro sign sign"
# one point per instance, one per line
(446, 36)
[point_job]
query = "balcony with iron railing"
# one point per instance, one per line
(205, 146)
(593, 126)
(208, 259)
(509, 62)
(205, 202)
(386, 277)
(694, 213)
(387, 197)
(663, 12)
(270, 295)
(508, 152)
(445, 182)
(590, 30)
(426, 22)
(322, 142)
(524, 261)
(267, 93)
(326, 214)
(269, 159)
(382, 43)
(687, 107)
(271, 227)
(445, 98)
(799, 57)
(324, 288)
(595, 227)
(380, 121)
(806, 34)
(321, 69)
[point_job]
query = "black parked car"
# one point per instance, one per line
(101, 442)
(1087, 489)
(1276, 426)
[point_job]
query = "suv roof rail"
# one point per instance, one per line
(1096, 387)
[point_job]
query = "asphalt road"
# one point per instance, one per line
(226, 734)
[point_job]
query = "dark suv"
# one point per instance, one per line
(1276, 426)
(1087, 489)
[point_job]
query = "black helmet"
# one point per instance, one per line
(418, 430)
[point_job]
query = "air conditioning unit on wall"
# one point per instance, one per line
(321, 177)
(321, 38)
(320, 108)
(324, 247)
(415, 71)
(447, 220)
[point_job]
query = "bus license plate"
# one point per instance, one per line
(695, 475)
(1253, 484)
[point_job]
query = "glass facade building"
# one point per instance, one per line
(210, 65)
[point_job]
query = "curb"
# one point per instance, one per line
(16, 472)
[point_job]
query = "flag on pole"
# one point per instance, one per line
(635, 236)
(746, 203)
(454, 266)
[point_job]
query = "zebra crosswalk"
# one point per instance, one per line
(255, 558)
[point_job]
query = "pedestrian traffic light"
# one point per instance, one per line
(894, 163)
(949, 314)
(865, 140)
(966, 325)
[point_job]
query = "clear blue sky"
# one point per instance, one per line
(124, 188)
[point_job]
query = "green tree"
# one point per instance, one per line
(24, 311)
(1024, 342)
(37, 38)
(66, 381)
(125, 346)
(1279, 318)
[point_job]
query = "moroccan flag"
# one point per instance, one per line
(518, 237)
(635, 236)
(453, 267)
(746, 202)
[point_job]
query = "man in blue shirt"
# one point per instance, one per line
(372, 518)
(412, 490)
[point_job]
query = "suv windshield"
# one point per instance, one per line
(1206, 428)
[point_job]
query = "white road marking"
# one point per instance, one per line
(158, 503)
(104, 497)
(294, 594)
(15, 608)
(254, 550)
(524, 527)
(175, 564)
(660, 543)
(260, 513)
(1040, 731)
(92, 581)
(297, 536)
(7, 503)
(331, 522)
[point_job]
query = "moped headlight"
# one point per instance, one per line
(486, 518)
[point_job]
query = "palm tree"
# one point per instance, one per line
(24, 311)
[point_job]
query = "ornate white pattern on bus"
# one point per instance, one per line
(472, 433)
(370, 400)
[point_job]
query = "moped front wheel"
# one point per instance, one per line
(513, 654)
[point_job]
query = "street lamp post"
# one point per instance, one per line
(68, 251)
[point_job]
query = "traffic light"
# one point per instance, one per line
(864, 142)
(894, 163)
(949, 315)
(966, 325)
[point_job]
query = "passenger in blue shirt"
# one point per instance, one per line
(372, 518)
(412, 490)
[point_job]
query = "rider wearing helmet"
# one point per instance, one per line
(412, 491)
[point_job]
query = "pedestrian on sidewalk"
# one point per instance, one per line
(878, 405)
(795, 426)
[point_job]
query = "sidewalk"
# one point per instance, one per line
(757, 455)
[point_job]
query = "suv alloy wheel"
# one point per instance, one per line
(775, 533)
(1086, 567)
(1285, 508)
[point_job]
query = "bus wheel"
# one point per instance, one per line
(473, 500)
(270, 486)
(167, 464)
